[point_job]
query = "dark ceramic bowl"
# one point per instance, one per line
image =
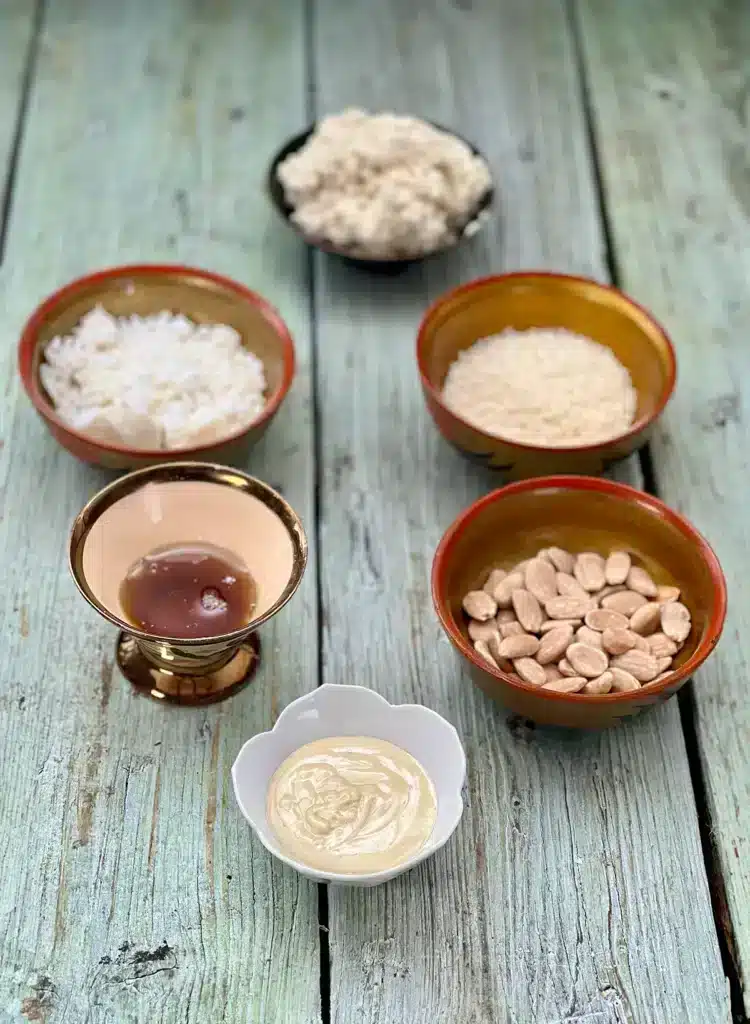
(474, 220)
(536, 299)
(143, 290)
(578, 514)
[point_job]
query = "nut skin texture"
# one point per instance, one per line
(554, 644)
(587, 661)
(480, 606)
(617, 567)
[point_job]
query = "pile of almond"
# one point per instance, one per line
(578, 623)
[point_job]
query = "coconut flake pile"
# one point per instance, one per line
(153, 382)
(546, 387)
(383, 185)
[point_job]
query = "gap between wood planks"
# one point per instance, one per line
(686, 697)
(32, 53)
(311, 110)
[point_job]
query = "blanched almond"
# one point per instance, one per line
(495, 577)
(554, 644)
(540, 579)
(554, 623)
(587, 661)
(552, 672)
(479, 606)
(519, 569)
(504, 589)
(482, 630)
(663, 675)
(589, 571)
(605, 618)
(639, 664)
(505, 615)
(483, 650)
(666, 594)
(640, 581)
(641, 643)
(645, 620)
(523, 645)
(675, 621)
(568, 586)
(528, 610)
(565, 668)
(562, 560)
(663, 664)
(617, 641)
(617, 567)
(494, 643)
(530, 671)
(661, 646)
(510, 628)
(568, 684)
(625, 602)
(586, 635)
(622, 681)
(568, 607)
(602, 684)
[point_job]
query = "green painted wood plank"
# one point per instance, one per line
(577, 875)
(16, 33)
(132, 890)
(670, 86)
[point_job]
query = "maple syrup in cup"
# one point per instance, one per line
(188, 591)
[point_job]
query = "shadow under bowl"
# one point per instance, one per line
(474, 220)
(187, 503)
(522, 301)
(144, 290)
(577, 514)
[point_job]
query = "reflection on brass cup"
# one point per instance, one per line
(187, 502)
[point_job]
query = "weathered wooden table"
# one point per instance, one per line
(596, 879)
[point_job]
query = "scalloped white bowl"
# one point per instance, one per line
(338, 710)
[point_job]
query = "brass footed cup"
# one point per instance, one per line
(187, 502)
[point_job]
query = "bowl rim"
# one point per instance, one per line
(267, 838)
(275, 191)
(29, 340)
(533, 276)
(167, 472)
(623, 492)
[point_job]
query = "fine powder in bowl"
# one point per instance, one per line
(154, 382)
(545, 386)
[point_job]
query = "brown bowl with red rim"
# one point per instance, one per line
(522, 301)
(578, 514)
(203, 297)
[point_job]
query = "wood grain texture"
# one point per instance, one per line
(671, 97)
(576, 875)
(17, 24)
(132, 890)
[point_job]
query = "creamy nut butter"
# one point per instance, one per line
(351, 805)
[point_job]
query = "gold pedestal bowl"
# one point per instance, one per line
(187, 502)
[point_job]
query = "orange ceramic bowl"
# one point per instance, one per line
(526, 300)
(578, 514)
(147, 289)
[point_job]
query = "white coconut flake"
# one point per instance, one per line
(154, 382)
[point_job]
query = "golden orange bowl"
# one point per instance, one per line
(577, 513)
(147, 289)
(535, 299)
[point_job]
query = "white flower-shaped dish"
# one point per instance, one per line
(337, 710)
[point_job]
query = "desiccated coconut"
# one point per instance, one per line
(154, 382)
